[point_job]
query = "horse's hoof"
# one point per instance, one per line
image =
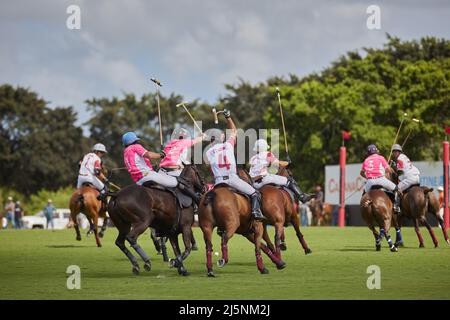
(194, 248)
(394, 249)
(399, 244)
(421, 245)
(283, 246)
(158, 253)
(221, 263)
(281, 265)
(101, 235)
(166, 259)
(78, 238)
(448, 241)
(308, 251)
(148, 266)
(436, 245)
(211, 274)
(264, 271)
(183, 272)
(173, 263)
(99, 245)
(136, 270)
(378, 247)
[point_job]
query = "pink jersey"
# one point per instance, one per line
(260, 163)
(176, 152)
(221, 158)
(374, 166)
(137, 165)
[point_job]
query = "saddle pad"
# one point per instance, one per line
(183, 200)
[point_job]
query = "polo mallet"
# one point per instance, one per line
(409, 133)
(183, 104)
(158, 85)
(215, 113)
(282, 122)
(396, 136)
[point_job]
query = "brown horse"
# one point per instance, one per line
(135, 208)
(321, 213)
(416, 202)
(280, 210)
(84, 200)
(377, 210)
(230, 212)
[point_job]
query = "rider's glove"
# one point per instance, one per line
(226, 113)
(162, 154)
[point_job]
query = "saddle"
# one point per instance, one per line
(210, 195)
(412, 186)
(287, 190)
(389, 193)
(183, 200)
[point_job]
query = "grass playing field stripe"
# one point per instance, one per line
(33, 266)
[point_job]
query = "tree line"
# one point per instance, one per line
(365, 92)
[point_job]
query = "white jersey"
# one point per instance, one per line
(90, 162)
(405, 165)
(260, 163)
(221, 158)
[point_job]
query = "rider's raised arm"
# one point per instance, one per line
(199, 139)
(152, 155)
(230, 124)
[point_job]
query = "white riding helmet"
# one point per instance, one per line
(99, 147)
(441, 189)
(261, 145)
(397, 147)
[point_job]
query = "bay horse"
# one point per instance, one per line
(377, 210)
(230, 212)
(321, 214)
(416, 202)
(135, 208)
(279, 209)
(84, 200)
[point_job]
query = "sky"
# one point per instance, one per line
(193, 46)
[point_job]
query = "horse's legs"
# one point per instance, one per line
(267, 240)
(444, 230)
(398, 231)
(95, 227)
(178, 262)
(296, 224)
(187, 240)
(103, 229)
(207, 236)
(120, 242)
(258, 237)
(377, 238)
(283, 246)
(156, 241)
(193, 242)
(73, 215)
(278, 230)
(419, 235)
(424, 221)
(136, 231)
(277, 261)
(384, 232)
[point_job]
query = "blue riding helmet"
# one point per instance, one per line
(372, 149)
(128, 138)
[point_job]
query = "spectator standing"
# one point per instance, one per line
(9, 211)
(18, 214)
(49, 210)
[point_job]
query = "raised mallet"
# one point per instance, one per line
(158, 85)
(398, 132)
(282, 122)
(183, 104)
(409, 133)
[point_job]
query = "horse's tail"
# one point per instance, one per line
(80, 200)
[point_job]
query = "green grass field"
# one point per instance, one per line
(33, 266)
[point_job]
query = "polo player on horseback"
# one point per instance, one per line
(137, 160)
(373, 169)
(259, 171)
(408, 174)
(220, 156)
(177, 151)
(91, 171)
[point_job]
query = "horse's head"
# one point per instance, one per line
(284, 172)
(191, 173)
(244, 175)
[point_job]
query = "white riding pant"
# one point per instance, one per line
(382, 181)
(90, 179)
(235, 182)
(408, 181)
(173, 173)
(160, 178)
(271, 179)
